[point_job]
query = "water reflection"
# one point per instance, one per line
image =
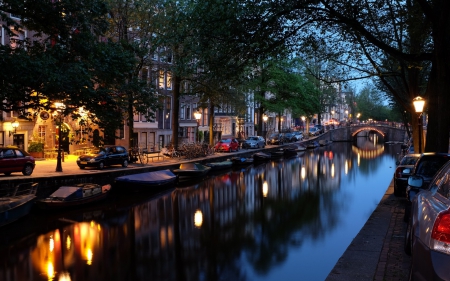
(291, 218)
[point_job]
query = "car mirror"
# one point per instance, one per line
(415, 181)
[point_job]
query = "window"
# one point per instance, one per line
(122, 131)
(188, 112)
(41, 132)
(182, 111)
(161, 79)
(205, 117)
(169, 80)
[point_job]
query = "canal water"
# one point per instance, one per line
(290, 219)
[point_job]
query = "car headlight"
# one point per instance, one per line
(92, 160)
(78, 159)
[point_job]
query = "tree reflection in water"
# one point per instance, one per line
(244, 224)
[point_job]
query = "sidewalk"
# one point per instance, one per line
(376, 253)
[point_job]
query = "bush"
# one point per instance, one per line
(36, 147)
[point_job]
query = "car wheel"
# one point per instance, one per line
(7, 173)
(27, 170)
(82, 167)
(101, 165)
(125, 163)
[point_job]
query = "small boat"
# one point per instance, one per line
(241, 161)
(18, 204)
(297, 147)
(261, 156)
(277, 154)
(324, 142)
(149, 179)
(191, 170)
(74, 196)
(312, 144)
(289, 152)
(217, 166)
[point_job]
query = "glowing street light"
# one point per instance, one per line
(419, 104)
(197, 116)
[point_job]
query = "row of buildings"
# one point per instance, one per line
(50, 128)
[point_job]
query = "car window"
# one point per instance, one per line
(19, 153)
(409, 160)
(442, 182)
(9, 153)
(120, 149)
(227, 140)
(430, 166)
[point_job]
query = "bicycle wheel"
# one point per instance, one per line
(140, 157)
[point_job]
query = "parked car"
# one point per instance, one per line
(254, 142)
(14, 159)
(298, 136)
(104, 156)
(425, 168)
(402, 173)
(288, 137)
(275, 138)
(227, 145)
(427, 236)
(321, 129)
(314, 131)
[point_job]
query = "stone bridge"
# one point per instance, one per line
(350, 133)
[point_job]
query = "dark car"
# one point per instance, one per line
(254, 142)
(14, 159)
(298, 136)
(425, 168)
(427, 236)
(275, 138)
(314, 131)
(104, 156)
(289, 137)
(402, 173)
(321, 129)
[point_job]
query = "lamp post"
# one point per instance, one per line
(59, 107)
(419, 103)
(265, 126)
(303, 124)
(14, 125)
(197, 116)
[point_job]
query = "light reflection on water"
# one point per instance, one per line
(281, 220)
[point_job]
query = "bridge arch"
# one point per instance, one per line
(354, 133)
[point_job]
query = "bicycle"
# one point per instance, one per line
(138, 154)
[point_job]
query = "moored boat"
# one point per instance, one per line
(75, 196)
(241, 161)
(148, 180)
(312, 144)
(18, 204)
(191, 170)
(217, 166)
(261, 156)
(277, 154)
(324, 142)
(289, 152)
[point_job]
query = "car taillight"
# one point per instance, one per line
(398, 172)
(441, 233)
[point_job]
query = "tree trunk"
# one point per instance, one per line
(437, 139)
(211, 124)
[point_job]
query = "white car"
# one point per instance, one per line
(254, 142)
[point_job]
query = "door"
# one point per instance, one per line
(143, 140)
(19, 140)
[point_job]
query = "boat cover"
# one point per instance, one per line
(150, 177)
(67, 191)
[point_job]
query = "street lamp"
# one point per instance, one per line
(197, 116)
(59, 108)
(265, 125)
(14, 125)
(419, 103)
(303, 123)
